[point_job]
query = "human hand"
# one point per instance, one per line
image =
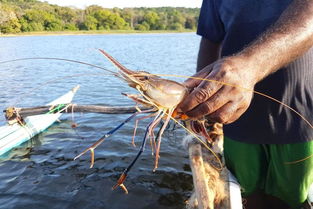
(225, 94)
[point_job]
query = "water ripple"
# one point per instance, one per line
(42, 174)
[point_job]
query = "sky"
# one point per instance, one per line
(127, 3)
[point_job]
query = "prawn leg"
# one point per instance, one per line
(120, 181)
(122, 178)
(157, 153)
(136, 125)
(99, 141)
(151, 131)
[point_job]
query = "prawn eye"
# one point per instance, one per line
(146, 78)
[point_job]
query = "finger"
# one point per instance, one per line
(228, 113)
(197, 78)
(236, 116)
(199, 95)
(209, 106)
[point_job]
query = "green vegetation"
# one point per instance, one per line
(31, 15)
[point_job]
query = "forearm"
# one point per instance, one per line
(208, 53)
(288, 38)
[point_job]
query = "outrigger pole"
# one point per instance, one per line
(12, 113)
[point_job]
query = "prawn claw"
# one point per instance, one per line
(120, 183)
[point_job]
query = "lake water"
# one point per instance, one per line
(41, 173)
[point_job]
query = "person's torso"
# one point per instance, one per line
(266, 121)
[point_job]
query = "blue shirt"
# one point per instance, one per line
(235, 24)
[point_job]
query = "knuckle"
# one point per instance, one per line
(201, 94)
(207, 107)
(227, 75)
(227, 71)
(228, 63)
(243, 102)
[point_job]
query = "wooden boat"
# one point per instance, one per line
(15, 134)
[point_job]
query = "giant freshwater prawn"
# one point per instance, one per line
(161, 96)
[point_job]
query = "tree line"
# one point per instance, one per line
(32, 15)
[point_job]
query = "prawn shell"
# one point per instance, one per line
(166, 93)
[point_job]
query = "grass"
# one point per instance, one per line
(92, 32)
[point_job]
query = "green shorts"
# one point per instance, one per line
(268, 168)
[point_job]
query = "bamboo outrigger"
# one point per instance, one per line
(71, 108)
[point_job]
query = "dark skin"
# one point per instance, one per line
(290, 37)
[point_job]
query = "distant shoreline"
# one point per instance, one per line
(93, 32)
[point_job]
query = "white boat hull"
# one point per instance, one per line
(13, 135)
